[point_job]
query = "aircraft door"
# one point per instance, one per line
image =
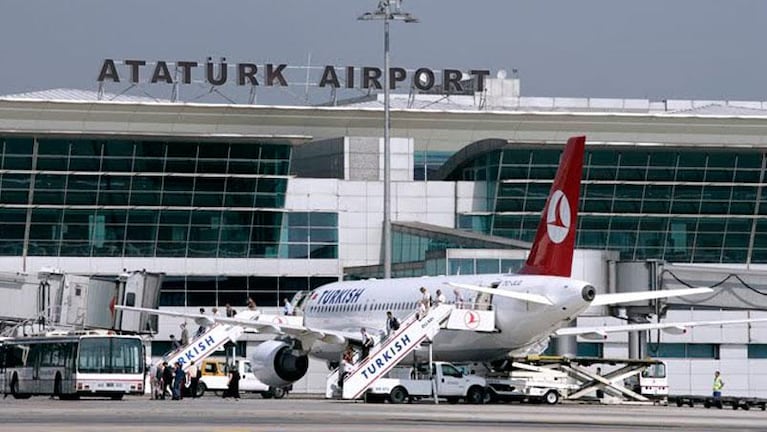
(299, 301)
(450, 381)
(484, 301)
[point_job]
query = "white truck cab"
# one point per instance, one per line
(403, 385)
(215, 378)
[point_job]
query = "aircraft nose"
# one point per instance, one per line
(588, 293)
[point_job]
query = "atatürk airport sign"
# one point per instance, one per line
(219, 73)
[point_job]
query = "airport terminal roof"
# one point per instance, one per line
(77, 95)
(453, 103)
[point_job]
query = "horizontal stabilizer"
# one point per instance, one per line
(610, 299)
(528, 297)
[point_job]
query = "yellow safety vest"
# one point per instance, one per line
(718, 384)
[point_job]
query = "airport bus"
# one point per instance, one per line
(72, 365)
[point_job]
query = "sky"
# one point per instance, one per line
(654, 49)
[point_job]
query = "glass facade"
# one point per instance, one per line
(152, 197)
(677, 204)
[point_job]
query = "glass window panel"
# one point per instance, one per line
(461, 266)
(17, 162)
(147, 165)
(750, 160)
(175, 217)
(116, 164)
(757, 351)
(208, 199)
(690, 175)
(52, 163)
(324, 235)
(298, 219)
(78, 163)
(86, 148)
(36, 248)
(201, 249)
(322, 219)
(298, 251)
(692, 159)
(298, 234)
(177, 199)
(324, 251)
(118, 149)
(488, 266)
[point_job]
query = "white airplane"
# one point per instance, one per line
(530, 307)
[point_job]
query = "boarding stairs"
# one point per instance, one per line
(202, 346)
(383, 357)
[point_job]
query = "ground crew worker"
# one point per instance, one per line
(718, 384)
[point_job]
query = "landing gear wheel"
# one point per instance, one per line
(398, 395)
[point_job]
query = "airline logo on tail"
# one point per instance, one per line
(558, 219)
(552, 251)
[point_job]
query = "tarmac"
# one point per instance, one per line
(297, 413)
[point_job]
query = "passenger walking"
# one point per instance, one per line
(174, 343)
(718, 384)
(179, 377)
(424, 303)
(167, 379)
(157, 390)
(201, 329)
(345, 368)
(440, 298)
(230, 312)
(184, 334)
(233, 385)
(287, 308)
(367, 343)
(392, 324)
(458, 298)
(194, 378)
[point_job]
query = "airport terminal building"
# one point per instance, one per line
(239, 201)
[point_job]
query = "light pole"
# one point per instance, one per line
(387, 10)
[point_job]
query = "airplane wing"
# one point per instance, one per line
(250, 320)
(601, 332)
(533, 298)
(609, 299)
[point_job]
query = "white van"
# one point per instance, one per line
(214, 378)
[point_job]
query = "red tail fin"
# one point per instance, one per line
(552, 252)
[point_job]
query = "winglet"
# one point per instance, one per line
(552, 251)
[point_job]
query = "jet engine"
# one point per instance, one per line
(277, 364)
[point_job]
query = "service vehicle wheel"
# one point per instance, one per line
(679, 402)
(475, 395)
(201, 388)
(15, 389)
(398, 395)
(551, 397)
(278, 392)
(266, 395)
